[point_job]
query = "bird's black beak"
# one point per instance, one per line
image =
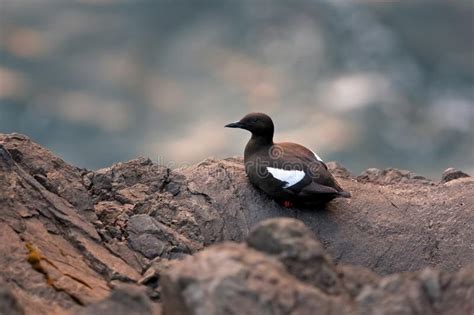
(235, 125)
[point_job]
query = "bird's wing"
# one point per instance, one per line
(297, 167)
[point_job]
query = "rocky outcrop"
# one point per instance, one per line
(282, 269)
(71, 240)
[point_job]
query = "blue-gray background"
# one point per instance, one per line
(368, 83)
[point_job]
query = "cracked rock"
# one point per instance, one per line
(153, 239)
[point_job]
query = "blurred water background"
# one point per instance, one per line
(368, 83)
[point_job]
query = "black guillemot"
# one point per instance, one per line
(288, 172)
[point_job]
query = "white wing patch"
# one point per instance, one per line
(317, 157)
(291, 177)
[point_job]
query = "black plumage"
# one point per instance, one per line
(287, 172)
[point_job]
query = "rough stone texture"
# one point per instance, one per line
(451, 174)
(51, 172)
(235, 278)
(232, 279)
(391, 176)
(52, 257)
(403, 224)
(152, 238)
(294, 245)
(68, 236)
(124, 300)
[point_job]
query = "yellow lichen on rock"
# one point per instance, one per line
(34, 259)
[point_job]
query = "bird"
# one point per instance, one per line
(289, 173)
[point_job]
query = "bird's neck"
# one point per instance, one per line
(257, 143)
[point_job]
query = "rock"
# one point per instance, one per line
(338, 170)
(112, 213)
(451, 174)
(395, 294)
(458, 293)
(101, 260)
(291, 242)
(153, 239)
(124, 300)
(152, 276)
(51, 172)
(68, 235)
(232, 279)
(388, 228)
(391, 176)
(425, 292)
(430, 280)
(9, 304)
(356, 278)
(129, 182)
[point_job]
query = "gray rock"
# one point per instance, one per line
(430, 280)
(152, 276)
(9, 305)
(458, 293)
(338, 170)
(124, 300)
(452, 174)
(153, 239)
(291, 242)
(391, 176)
(233, 279)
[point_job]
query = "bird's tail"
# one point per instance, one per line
(344, 194)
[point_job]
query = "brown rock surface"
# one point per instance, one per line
(233, 279)
(68, 236)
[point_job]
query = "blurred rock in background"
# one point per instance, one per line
(368, 83)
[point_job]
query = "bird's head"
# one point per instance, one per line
(259, 124)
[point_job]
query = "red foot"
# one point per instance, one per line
(287, 204)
